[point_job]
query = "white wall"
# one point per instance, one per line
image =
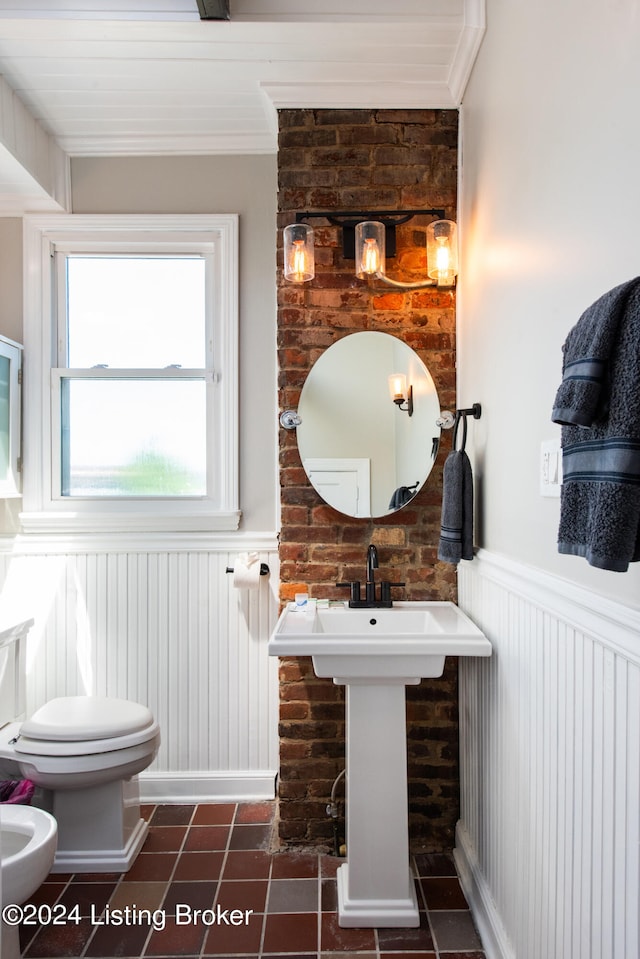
(548, 837)
(550, 198)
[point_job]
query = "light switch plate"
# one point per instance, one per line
(550, 467)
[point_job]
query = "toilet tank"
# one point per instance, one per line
(13, 653)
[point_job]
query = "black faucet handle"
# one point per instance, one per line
(355, 590)
(385, 590)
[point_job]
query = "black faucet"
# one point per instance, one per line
(371, 598)
(372, 563)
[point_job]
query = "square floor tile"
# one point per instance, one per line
(199, 865)
(293, 895)
(57, 941)
(145, 895)
(164, 838)
(462, 955)
(89, 897)
(329, 865)
(204, 838)
(328, 895)
(348, 955)
(407, 940)
(250, 837)
(336, 939)
(413, 955)
(255, 812)
(114, 941)
(247, 864)
(214, 814)
(196, 895)
(47, 894)
(245, 894)
(454, 931)
(291, 933)
(152, 866)
(294, 865)
(443, 893)
(435, 864)
(169, 815)
(231, 940)
(176, 939)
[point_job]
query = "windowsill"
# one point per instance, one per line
(129, 522)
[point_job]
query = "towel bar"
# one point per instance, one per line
(447, 420)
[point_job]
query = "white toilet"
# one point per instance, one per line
(27, 846)
(83, 752)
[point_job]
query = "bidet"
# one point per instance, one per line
(28, 838)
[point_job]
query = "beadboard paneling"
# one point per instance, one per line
(165, 628)
(548, 840)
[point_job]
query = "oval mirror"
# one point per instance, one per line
(361, 450)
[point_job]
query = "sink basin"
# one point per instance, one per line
(406, 643)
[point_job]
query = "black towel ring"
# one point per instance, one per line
(459, 416)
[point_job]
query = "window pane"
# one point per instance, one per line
(133, 437)
(136, 312)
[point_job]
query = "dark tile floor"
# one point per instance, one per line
(215, 858)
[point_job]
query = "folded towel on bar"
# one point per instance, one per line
(456, 532)
(589, 353)
(598, 407)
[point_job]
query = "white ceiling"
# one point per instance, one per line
(122, 77)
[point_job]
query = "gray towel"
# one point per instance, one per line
(588, 350)
(456, 533)
(598, 405)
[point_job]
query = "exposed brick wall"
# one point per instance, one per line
(361, 160)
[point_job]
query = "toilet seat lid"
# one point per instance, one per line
(82, 718)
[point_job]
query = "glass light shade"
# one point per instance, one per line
(442, 252)
(398, 387)
(299, 259)
(370, 248)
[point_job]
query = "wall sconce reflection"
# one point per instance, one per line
(400, 393)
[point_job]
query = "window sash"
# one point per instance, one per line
(61, 377)
(65, 250)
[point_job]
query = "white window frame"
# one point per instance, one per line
(45, 509)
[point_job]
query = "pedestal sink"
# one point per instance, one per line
(375, 653)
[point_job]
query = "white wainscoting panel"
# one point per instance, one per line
(548, 840)
(164, 627)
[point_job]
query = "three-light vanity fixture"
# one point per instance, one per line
(370, 238)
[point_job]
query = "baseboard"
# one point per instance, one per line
(237, 785)
(478, 895)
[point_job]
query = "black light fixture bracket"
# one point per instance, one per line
(214, 9)
(349, 220)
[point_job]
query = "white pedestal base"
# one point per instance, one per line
(99, 828)
(375, 887)
(385, 913)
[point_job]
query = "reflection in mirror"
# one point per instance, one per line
(361, 450)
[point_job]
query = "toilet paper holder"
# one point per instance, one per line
(264, 569)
